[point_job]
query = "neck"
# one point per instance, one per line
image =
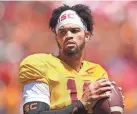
(74, 61)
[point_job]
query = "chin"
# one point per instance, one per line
(70, 52)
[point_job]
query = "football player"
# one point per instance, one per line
(64, 84)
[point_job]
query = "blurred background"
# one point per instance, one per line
(24, 30)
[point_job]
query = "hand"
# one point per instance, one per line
(94, 92)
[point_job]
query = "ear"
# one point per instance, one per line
(56, 37)
(87, 36)
(57, 40)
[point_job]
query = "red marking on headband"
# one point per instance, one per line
(66, 16)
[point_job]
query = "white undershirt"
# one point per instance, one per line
(36, 91)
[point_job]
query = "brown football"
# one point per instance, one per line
(112, 105)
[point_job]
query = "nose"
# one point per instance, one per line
(69, 34)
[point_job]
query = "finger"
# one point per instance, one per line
(119, 88)
(113, 82)
(98, 97)
(103, 90)
(102, 80)
(101, 96)
(123, 97)
(104, 84)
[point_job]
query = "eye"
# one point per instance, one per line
(75, 30)
(62, 32)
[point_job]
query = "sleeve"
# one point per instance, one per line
(33, 69)
(36, 91)
(43, 108)
(36, 101)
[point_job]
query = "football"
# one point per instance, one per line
(112, 105)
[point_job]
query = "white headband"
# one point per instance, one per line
(70, 17)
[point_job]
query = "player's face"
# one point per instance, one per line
(71, 39)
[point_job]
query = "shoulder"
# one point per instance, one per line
(97, 69)
(34, 68)
(33, 59)
(92, 64)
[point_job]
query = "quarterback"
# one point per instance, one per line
(64, 84)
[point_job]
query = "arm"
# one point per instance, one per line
(36, 95)
(37, 107)
(36, 101)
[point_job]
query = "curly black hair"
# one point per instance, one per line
(83, 11)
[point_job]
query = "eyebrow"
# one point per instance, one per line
(69, 28)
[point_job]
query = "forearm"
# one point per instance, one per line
(43, 108)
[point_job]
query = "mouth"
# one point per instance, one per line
(70, 44)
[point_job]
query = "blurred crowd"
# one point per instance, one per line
(24, 30)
